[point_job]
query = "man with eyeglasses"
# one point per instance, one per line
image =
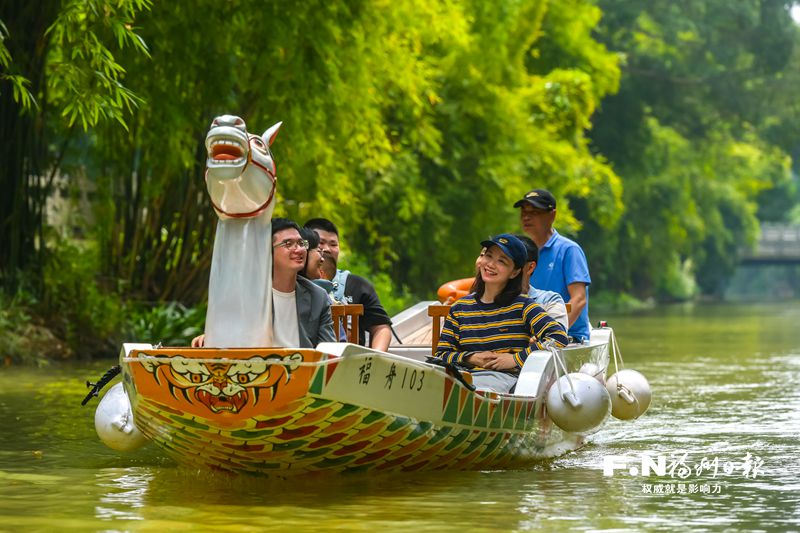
(301, 310)
(352, 289)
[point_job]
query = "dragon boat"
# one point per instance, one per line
(343, 407)
(240, 406)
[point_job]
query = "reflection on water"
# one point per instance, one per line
(127, 490)
(725, 381)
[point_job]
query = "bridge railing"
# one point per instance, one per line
(779, 243)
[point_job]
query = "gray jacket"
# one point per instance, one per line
(314, 320)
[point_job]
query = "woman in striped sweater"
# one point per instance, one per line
(492, 330)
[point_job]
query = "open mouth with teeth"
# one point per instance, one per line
(226, 151)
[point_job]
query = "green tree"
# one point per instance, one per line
(58, 71)
(410, 136)
(688, 134)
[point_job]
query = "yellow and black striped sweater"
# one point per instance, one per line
(518, 328)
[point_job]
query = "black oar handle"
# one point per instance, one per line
(452, 370)
(97, 387)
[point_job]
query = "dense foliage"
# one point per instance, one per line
(700, 131)
(664, 130)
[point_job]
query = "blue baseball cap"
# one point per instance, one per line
(511, 246)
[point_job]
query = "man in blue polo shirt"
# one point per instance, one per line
(562, 266)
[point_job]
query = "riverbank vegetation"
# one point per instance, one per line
(667, 131)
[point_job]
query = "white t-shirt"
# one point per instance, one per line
(285, 332)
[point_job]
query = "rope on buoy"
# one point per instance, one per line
(617, 353)
(573, 399)
(622, 390)
(102, 382)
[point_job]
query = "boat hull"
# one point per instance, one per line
(339, 408)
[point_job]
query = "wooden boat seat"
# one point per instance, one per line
(347, 315)
(438, 312)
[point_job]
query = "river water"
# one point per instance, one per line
(726, 388)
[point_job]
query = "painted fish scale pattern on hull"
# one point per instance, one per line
(313, 434)
(307, 412)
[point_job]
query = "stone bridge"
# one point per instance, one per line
(779, 245)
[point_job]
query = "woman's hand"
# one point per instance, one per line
(500, 361)
(480, 359)
(199, 341)
(493, 360)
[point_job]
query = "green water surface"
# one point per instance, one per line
(725, 384)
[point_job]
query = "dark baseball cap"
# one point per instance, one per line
(511, 246)
(540, 198)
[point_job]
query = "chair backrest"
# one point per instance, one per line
(347, 315)
(438, 312)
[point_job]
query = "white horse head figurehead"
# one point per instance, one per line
(240, 172)
(241, 181)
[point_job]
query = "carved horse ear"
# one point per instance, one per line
(271, 133)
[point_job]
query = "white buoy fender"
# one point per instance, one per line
(113, 421)
(593, 370)
(582, 411)
(630, 394)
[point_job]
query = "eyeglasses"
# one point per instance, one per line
(292, 243)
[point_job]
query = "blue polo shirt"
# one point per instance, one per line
(561, 262)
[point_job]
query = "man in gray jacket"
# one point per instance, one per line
(301, 310)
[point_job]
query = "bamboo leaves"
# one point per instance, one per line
(20, 85)
(84, 78)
